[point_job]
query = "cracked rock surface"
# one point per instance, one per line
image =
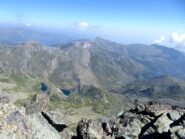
(152, 120)
(15, 124)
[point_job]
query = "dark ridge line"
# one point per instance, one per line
(166, 135)
(178, 122)
(58, 127)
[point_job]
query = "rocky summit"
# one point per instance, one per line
(150, 120)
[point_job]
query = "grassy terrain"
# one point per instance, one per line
(100, 101)
(90, 103)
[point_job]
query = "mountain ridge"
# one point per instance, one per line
(100, 62)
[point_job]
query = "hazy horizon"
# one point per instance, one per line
(130, 21)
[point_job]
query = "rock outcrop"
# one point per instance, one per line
(31, 122)
(38, 103)
(151, 120)
(4, 100)
(16, 124)
(147, 121)
(89, 129)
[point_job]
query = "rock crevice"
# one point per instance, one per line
(58, 127)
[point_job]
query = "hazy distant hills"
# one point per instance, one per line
(22, 34)
(99, 62)
(158, 87)
(12, 34)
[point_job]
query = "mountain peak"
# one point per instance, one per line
(100, 39)
(84, 43)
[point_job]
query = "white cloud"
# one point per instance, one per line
(178, 41)
(83, 25)
(160, 40)
(27, 24)
(175, 40)
(178, 38)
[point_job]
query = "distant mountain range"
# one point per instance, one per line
(21, 34)
(99, 62)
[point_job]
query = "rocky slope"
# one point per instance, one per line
(150, 120)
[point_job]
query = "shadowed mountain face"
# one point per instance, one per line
(99, 62)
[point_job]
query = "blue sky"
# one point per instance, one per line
(121, 20)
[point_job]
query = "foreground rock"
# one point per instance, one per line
(31, 122)
(4, 99)
(15, 124)
(147, 121)
(89, 129)
(151, 120)
(38, 103)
